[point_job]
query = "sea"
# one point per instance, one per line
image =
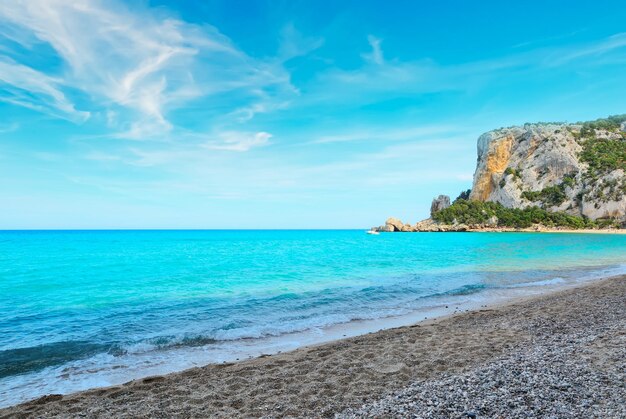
(85, 309)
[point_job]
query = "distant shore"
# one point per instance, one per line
(429, 225)
(583, 231)
(581, 327)
(544, 230)
(452, 229)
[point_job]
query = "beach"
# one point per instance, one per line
(560, 355)
(197, 198)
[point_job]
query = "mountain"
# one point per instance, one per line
(540, 175)
(575, 168)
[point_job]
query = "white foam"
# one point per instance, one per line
(553, 281)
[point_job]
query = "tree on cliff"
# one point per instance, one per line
(464, 195)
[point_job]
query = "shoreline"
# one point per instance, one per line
(529, 230)
(98, 372)
(394, 225)
(452, 229)
(565, 231)
(326, 377)
(562, 231)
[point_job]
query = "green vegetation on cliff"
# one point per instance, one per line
(476, 212)
(603, 155)
(464, 195)
(579, 167)
(550, 196)
(612, 123)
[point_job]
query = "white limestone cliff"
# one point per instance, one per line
(541, 164)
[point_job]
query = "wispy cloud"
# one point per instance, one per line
(376, 56)
(24, 86)
(294, 44)
(7, 128)
(265, 104)
(594, 49)
(386, 134)
(130, 62)
(239, 141)
(383, 77)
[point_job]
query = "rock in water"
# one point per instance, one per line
(439, 203)
(393, 224)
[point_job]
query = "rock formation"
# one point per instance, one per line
(439, 203)
(559, 167)
(576, 169)
(393, 224)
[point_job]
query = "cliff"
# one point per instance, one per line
(553, 175)
(575, 168)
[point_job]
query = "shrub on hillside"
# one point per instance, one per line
(477, 212)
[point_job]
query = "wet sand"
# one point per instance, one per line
(354, 373)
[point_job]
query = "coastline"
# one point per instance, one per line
(394, 225)
(516, 230)
(330, 377)
(547, 230)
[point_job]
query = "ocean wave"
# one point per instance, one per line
(24, 360)
(290, 313)
(552, 281)
(163, 342)
(463, 290)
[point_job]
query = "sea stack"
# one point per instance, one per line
(439, 203)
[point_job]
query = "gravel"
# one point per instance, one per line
(568, 371)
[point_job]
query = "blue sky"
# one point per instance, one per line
(279, 114)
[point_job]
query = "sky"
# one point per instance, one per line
(279, 114)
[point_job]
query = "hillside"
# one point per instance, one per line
(575, 168)
(540, 175)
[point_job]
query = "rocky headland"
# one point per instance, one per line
(539, 177)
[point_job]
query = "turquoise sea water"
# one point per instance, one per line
(87, 308)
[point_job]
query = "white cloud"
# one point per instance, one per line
(293, 44)
(24, 86)
(134, 64)
(376, 56)
(239, 141)
(265, 105)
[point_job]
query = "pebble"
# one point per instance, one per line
(575, 370)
